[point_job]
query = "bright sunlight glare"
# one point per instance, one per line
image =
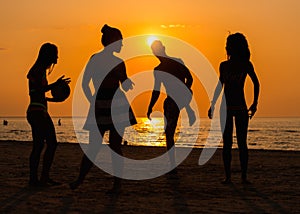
(151, 39)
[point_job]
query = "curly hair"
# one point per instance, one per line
(237, 47)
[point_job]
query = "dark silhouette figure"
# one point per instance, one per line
(59, 122)
(107, 72)
(176, 68)
(233, 73)
(5, 122)
(37, 115)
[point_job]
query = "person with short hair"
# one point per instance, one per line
(177, 80)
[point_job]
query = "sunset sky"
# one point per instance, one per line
(271, 27)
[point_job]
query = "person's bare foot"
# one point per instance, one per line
(116, 189)
(245, 181)
(226, 181)
(44, 182)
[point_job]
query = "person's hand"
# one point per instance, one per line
(128, 85)
(131, 84)
(210, 112)
(52, 99)
(252, 110)
(149, 113)
(62, 79)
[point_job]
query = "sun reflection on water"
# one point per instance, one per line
(150, 132)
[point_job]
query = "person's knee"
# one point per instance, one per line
(226, 151)
(116, 148)
(38, 146)
(242, 144)
(52, 145)
(170, 140)
(227, 148)
(36, 152)
(170, 144)
(170, 130)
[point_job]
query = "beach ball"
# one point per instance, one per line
(61, 91)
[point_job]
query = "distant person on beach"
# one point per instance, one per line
(107, 73)
(37, 114)
(5, 122)
(233, 73)
(176, 68)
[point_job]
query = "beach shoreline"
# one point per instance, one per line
(197, 189)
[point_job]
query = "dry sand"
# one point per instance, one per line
(275, 177)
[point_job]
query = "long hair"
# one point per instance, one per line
(110, 35)
(237, 47)
(46, 58)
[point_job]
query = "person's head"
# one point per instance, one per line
(158, 49)
(48, 55)
(237, 47)
(46, 59)
(111, 35)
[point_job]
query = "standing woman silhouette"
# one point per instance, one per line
(38, 117)
(107, 73)
(233, 73)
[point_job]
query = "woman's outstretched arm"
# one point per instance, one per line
(217, 93)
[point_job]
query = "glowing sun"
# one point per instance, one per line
(151, 39)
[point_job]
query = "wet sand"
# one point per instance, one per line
(275, 188)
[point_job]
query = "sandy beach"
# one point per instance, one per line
(275, 177)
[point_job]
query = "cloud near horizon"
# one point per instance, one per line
(179, 26)
(172, 26)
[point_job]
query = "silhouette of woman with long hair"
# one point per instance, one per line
(38, 117)
(233, 73)
(107, 73)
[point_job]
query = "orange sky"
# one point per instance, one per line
(271, 28)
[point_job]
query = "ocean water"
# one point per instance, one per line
(264, 133)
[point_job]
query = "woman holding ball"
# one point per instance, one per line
(42, 127)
